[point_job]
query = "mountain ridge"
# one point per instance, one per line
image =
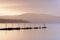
(12, 21)
(34, 17)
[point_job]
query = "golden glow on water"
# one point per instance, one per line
(10, 35)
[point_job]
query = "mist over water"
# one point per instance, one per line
(52, 32)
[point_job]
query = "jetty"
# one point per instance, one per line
(23, 28)
(19, 28)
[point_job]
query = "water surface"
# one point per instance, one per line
(51, 33)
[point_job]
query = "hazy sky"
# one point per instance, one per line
(16, 7)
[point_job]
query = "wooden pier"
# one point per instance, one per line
(22, 28)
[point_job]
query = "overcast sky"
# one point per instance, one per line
(16, 7)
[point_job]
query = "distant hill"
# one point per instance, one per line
(34, 17)
(39, 18)
(12, 21)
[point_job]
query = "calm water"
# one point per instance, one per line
(51, 33)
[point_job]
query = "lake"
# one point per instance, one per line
(52, 32)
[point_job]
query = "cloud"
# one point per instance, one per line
(37, 6)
